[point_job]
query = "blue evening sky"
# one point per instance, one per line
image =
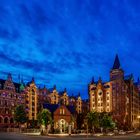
(66, 42)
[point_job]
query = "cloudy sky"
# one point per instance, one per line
(66, 42)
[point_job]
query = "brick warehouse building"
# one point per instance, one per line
(120, 97)
(11, 95)
(33, 98)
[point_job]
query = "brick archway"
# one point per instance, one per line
(6, 120)
(1, 119)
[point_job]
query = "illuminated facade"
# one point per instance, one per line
(54, 96)
(11, 95)
(79, 104)
(31, 100)
(64, 98)
(120, 96)
(100, 96)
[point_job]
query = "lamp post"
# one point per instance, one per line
(139, 121)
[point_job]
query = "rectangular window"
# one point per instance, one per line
(60, 111)
(63, 111)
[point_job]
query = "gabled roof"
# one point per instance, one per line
(51, 107)
(61, 93)
(50, 90)
(71, 109)
(17, 85)
(116, 64)
(128, 77)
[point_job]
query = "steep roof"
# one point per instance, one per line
(17, 85)
(128, 77)
(71, 109)
(53, 107)
(116, 64)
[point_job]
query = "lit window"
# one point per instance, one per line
(60, 111)
(63, 111)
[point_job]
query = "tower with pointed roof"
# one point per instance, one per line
(116, 71)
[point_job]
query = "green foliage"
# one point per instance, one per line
(22, 87)
(93, 119)
(99, 120)
(106, 121)
(44, 117)
(20, 114)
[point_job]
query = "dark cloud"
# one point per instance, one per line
(62, 42)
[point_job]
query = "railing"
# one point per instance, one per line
(30, 130)
(22, 130)
(9, 130)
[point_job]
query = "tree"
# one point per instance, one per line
(106, 122)
(20, 114)
(44, 118)
(93, 120)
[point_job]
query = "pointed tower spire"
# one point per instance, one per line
(54, 87)
(116, 64)
(44, 86)
(92, 80)
(22, 79)
(79, 94)
(100, 79)
(9, 77)
(65, 90)
(138, 80)
(33, 79)
(19, 78)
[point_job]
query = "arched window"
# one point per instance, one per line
(6, 120)
(1, 120)
(33, 92)
(54, 97)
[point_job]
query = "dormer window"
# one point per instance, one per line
(62, 111)
(54, 97)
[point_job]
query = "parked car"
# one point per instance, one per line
(110, 134)
(121, 132)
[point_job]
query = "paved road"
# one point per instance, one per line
(15, 136)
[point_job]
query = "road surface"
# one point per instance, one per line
(16, 136)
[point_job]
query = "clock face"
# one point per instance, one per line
(100, 93)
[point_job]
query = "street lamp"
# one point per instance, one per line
(139, 121)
